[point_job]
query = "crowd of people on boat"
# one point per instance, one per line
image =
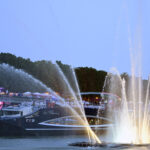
(50, 99)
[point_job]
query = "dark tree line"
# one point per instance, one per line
(89, 79)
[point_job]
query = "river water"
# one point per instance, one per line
(50, 143)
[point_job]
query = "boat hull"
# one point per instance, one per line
(30, 125)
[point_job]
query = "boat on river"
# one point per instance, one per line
(46, 118)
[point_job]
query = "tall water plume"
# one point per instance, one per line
(131, 118)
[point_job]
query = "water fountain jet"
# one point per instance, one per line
(12, 74)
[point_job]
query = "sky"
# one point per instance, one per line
(92, 33)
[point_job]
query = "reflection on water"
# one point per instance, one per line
(50, 143)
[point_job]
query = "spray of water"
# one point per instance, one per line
(132, 118)
(77, 100)
(75, 105)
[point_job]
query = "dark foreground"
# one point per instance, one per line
(55, 143)
(108, 145)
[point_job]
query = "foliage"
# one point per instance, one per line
(89, 79)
